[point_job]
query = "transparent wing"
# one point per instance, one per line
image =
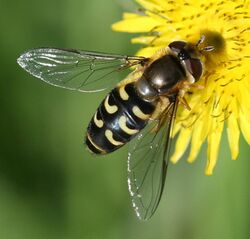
(76, 70)
(148, 162)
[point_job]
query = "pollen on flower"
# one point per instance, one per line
(220, 99)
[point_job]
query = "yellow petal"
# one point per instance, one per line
(181, 145)
(148, 4)
(233, 135)
(214, 138)
(129, 15)
(148, 51)
(196, 142)
(143, 40)
(244, 121)
(207, 120)
(135, 24)
(177, 127)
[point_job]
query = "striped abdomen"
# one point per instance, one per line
(118, 119)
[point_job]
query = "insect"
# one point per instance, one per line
(141, 107)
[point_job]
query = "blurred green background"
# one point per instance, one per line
(50, 186)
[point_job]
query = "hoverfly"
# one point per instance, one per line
(141, 107)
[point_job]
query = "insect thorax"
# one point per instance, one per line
(160, 77)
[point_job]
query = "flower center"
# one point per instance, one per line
(216, 55)
(215, 40)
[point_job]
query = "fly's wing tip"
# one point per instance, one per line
(20, 61)
(23, 60)
(28, 62)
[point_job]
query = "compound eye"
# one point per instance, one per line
(177, 46)
(194, 66)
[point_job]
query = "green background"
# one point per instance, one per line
(50, 186)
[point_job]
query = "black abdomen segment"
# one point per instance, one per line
(119, 118)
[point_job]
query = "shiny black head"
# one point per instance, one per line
(188, 55)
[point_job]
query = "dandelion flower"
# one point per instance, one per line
(221, 98)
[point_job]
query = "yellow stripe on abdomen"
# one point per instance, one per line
(110, 138)
(98, 123)
(123, 94)
(111, 109)
(95, 145)
(137, 111)
(125, 128)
